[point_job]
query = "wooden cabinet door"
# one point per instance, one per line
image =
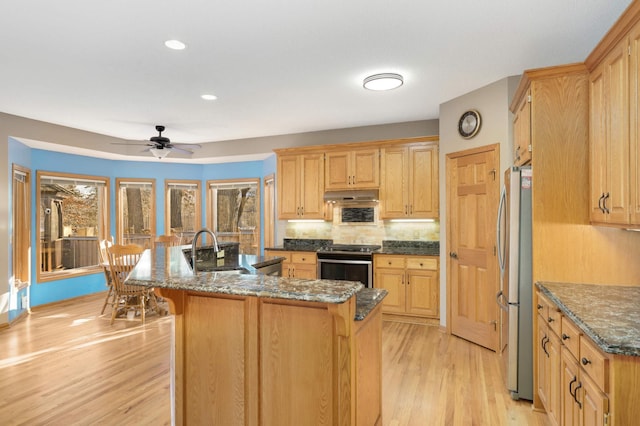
(392, 280)
(597, 145)
(312, 186)
(616, 73)
(394, 175)
(634, 125)
(594, 403)
(423, 182)
(542, 362)
(365, 166)
(337, 171)
(569, 409)
(522, 131)
(423, 293)
(288, 187)
(304, 271)
(553, 369)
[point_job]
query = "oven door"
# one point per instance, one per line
(346, 269)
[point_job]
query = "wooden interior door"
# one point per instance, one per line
(472, 196)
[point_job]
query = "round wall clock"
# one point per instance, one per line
(469, 124)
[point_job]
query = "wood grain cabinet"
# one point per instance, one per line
(297, 264)
(301, 186)
(412, 284)
(573, 380)
(522, 131)
(356, 169)
(409, 182)
(614, 134)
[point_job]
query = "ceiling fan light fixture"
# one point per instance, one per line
(175, 44)
(159, 153)
(384, 81)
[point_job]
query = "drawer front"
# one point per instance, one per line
(542, 308)
(393, 262)
(570, 335)
(594, 363)
(278, 253)
(306, 257)
(422, 263)
(553, 315)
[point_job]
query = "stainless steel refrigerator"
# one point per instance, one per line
(513, 230)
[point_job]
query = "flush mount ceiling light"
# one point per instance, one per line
(175, 44)
(386, 81)
(159, 153)
(207, 97)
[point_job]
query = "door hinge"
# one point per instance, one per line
(529, 98)
(606, 419)
(495, 251)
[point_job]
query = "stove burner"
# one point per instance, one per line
(352, 248)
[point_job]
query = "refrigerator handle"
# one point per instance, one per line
(499, 296)
(501, 208)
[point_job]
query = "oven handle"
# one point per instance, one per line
(350, 262)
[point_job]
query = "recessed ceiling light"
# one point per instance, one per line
(386, 81)
(175, 44)
(209, 97)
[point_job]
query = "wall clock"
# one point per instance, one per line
(469, 124)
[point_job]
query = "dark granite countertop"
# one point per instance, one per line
(366, 300)
(302, 244)
(608, 314)
(168, 268)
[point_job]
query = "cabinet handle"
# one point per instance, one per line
(604, 203)
(600, 202)
(565, 337)
(354, 180)
(302, 210)
(406, 209)
(389, 262)
(539, 306)
(575, 395)
(575, 379)
(545, 340)
(585, 361)
(550, 320)
(410, 208)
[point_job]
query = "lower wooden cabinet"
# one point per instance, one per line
(412, 283)
(297, 264)
(577, 383)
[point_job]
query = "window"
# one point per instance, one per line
(21, 226)
(183, 207)
(73, 215)
(135, 206)
(234, 212)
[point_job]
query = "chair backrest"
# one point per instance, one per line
(122, 259)
(104, 255)
(167, 240)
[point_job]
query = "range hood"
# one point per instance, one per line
(351, 196)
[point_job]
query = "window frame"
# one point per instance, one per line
(211, 211)
(104, 226)
(120, 212)
(167, 202)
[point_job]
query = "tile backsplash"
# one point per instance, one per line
(360, 233)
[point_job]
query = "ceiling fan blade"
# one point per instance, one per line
(186, 146)
(175, 148)
(130, 143)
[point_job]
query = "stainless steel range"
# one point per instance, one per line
(352, 262)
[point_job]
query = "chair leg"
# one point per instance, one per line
(142, 307)
(106, 300)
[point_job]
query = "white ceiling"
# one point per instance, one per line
(277, 67)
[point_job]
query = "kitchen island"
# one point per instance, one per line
(263, 350)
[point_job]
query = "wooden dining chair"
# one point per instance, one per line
(122, 259)
(167, 240)
(104, 262)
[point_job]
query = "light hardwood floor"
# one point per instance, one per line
(65, 365)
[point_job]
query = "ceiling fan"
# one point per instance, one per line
(161, 146)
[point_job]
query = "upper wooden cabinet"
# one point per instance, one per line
(522, 131)
(409, 181)
(356, 169)
(609, 113)
(301, 186)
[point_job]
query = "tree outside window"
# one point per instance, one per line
(135, 207)
(182, 213)
(73, 217)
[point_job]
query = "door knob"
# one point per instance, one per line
(453, 254)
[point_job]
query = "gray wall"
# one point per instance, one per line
(492, 102)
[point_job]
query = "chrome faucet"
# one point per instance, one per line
(194, 253)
